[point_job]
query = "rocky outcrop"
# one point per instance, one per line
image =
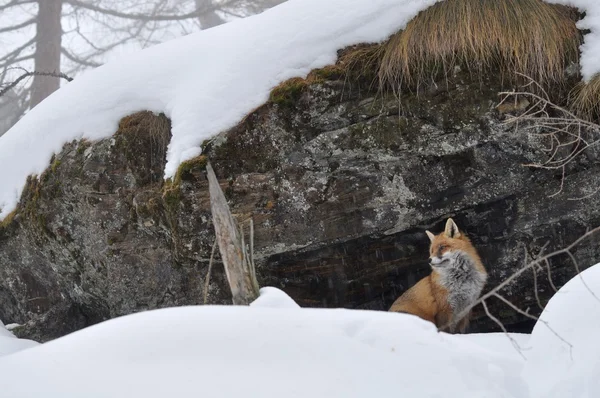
(342, 180)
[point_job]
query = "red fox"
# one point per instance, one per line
(456, 281)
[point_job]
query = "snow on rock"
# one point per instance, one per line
(271, 297)
(205, 82)
(10, 344)
(590, 49)
(227, 351)
(568, 365)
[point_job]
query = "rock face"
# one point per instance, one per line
(341, 181)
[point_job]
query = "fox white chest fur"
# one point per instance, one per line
(462, 279)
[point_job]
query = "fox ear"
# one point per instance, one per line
(451, 230)
(430, 235)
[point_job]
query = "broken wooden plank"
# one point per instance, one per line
(239, 265)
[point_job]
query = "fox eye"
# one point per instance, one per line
(442, 247)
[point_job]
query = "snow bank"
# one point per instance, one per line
(205, 82)
(262, 352)
(10, 344)
(271, 297)
(274, 349)
(569, 368)
(590, 49)
(499, 342)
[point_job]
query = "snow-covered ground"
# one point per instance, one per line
(275, 349)
(9, 344)
(208, 81)
(568, 365)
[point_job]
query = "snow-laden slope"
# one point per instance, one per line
(208, 81)
(205, 82)
(260, 352)
(569, 365)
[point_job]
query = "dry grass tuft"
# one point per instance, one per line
(529, 37)
(288, 92)
(356, 63)
(7, 221)
(584, 100)
(361, 62)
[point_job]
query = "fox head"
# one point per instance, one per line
(447, 245)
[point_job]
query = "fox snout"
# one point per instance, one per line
(438, 259)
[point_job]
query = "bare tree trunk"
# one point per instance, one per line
(209, 18)
(47, 49)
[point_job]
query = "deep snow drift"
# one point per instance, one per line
(568, 366)
(205, 82)
(226, 351)
(275, 349)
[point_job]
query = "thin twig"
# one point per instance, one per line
(512, 340)
(576, 264)
(29, 74)
(535, 284)
(518, 273)
(210, 263)
(565, 131)
(549, 270)
(535, 318)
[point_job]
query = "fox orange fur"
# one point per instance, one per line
(456, 281)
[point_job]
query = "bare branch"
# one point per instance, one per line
(568, 135)
(210, 263)
(13, 61)
(493, 318)
(14, 3)
(18, 50)
(83, 62)
(144, 17)
(29, 74)
(18, 26)
(535, 318)
(576, 265)
(541, 259)
(535, 285)
(549, 269)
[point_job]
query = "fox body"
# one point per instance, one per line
(456, 281)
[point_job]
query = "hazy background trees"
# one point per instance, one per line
(70, 36)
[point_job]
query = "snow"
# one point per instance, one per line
(260, 352)
(499, 342)
(10, 344)
(273, 348)
(208, 81)
(271, 297)
(205, 82)
(568, 366)
(590, 49)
